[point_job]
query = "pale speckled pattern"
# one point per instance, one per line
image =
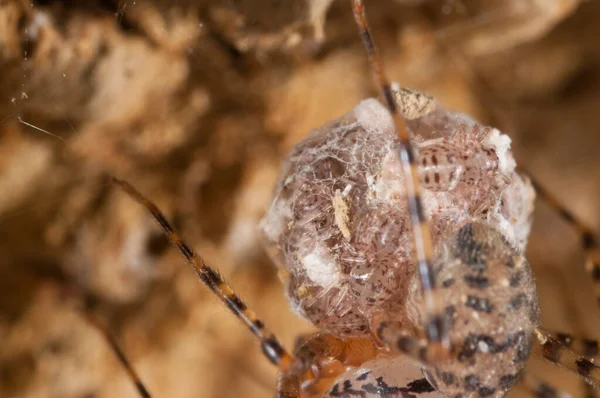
(492, 311)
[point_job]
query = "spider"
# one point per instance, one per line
(315, 367)
(457, 316)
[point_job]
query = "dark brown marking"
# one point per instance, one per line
(420, 386)
(551, 350)
(347, 391)
(471, 345)
(382, 389)
(565, 339)
(515, 279)
(517, 302)
(508, 381)
(486, 391)
(511, 262)
(479, 304)
(469, 348)
(259, 324)
(448, 282)
(584, 366)
(476, 281)
(448, 378)
(471, 383)
(406, 344)
(468, 250)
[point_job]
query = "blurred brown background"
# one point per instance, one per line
(196, 102)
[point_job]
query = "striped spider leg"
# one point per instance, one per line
(271, 347)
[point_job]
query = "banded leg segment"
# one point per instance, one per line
(541, 389)
(589, 240)
(271, 347)
(397, 340)
(435, 327)
(554, 350)
(585, 347)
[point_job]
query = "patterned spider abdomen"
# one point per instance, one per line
(492, 312)
(339, 228)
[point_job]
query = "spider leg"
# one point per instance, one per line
(84, 304)
(590, 244)
(585, 347)
(320, 358)
(271, 347)
(435, 328)
(540, 388)
(397, 340)
(114, 345)
(288, 386)
(589, 240)
(554, 350)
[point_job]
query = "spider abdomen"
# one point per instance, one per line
(339, 226)
(492, 312)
